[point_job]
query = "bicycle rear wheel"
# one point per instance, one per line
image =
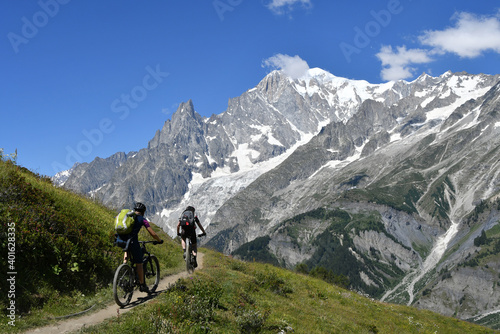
(123, 285)
(152, 273)
(189, 262)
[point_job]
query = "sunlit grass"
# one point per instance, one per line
(260, 298)
(66, 260)
(64, 253)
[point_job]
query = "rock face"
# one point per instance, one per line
(388, 185)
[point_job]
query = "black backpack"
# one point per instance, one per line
(187, 220)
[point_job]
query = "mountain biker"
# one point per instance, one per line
(190, 233)
(134, 247)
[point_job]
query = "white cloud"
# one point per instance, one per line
(470, 37)
(279, 6)
(396, 65)
(294, 67)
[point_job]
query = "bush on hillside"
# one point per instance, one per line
(481, 240)
(60, 245)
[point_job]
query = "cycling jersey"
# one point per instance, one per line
(134, 248)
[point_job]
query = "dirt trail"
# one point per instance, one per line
(73, 324)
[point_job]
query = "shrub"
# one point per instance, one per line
(251, 321)
(274, 283)
(481, 240)
(207, 291)
(191, 301)
(302, 268)
(330, 277)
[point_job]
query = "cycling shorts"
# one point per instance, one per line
(191, 234)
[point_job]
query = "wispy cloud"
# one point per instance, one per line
(396, 65)
(294, 67)
(469, 37)
(280, 7)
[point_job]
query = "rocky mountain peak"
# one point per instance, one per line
(398, 164)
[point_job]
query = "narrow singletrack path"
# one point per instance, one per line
(75, 323)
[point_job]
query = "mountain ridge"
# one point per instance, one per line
(401, 163)
(230, 152)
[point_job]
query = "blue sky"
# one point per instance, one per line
(86, 79)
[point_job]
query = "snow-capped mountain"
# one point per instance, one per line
(385, 174)
(61, 177)
(255, 132)
(396, 198)
(416, 110)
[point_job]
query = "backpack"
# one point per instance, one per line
(187, 220)
(124, 222)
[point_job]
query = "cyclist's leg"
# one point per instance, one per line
(123, 243)
(140, 272)
(136, 252)
(183, 242)
(193, 243)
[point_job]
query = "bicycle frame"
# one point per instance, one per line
(145, 252)
(146, 255)
(189, 254)
(126, 279)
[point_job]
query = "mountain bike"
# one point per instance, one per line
(126, 279)
(190, 258)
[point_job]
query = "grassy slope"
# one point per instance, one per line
(64, 253)
(65, 262)
(231, 296)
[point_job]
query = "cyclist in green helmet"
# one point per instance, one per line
(134, 246)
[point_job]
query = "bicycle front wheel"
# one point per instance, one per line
(152, 273)
(123, 285)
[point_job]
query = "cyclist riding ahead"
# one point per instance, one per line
(188, 223)
(134, 246)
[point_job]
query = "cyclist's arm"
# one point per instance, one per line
(199, 225)
(151, 231)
